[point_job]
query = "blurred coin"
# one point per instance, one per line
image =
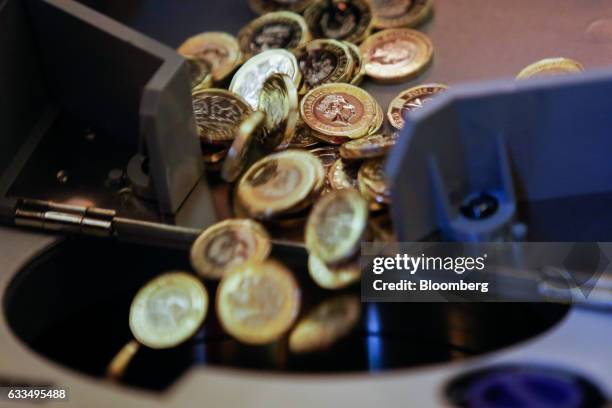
(237, 155)
(279, 101)
(378, 120)
(400, 13)
(281, 29)
(325, 61)
(373, 183)
(249, 79)
(409, 100)
(280, 183)
(267, 6)
(340, 110)
(340, 20)
(342, 175)
(332, 140)
(327, 155)
(213, 154)
(326, 324)
(382, 228)
(368, 147)
(219, 49)
(218, 113)
(227, 244)
(551, 67)
(257, 302)
(333, 277)
(359, 66)
(397, 54)
(336, 226)
(200, 73)
(168, 310)
(303, 137)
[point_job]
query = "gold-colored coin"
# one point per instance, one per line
(342, 175)
(339, 110)
(368, 147)
(229, 243)
(373, 182)
(359, 66)
(257, 302)
(336, 225)
(249, 79)
(279, 101)
(303, 137)
(200, 73)
(325, 61)
(340, 20)
(280, 183)
(268, 6)
(168, 310)
(280, 29)
(332, 140)
(333, 277)
(551, 67)
(397, 54)
(410, 100)
(378, 120)
(237, 155)
(219, 49)
(326, 324)
(400, 13)
(326, 154)
(218, 114)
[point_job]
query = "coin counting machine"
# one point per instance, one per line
(96, 115)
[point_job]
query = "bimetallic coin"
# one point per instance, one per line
(268, 6)
(411, 99)
(400, 13)
(368, 147)
(280, 183)
(168, 310)
(373, 183)
(551, 67)
(378, 120)
(397, 54)
(281, 29)
(218, 114)
(229, 243)
(279, 101)
(257, 302)
(342, 175)
(237, 155)
(341, 110)
(325, 61)
(303, 137)
(359, 66)
(325, 325)
(249, 79)
(333, 277)
(336, 225)
(340, 20)
(219, 49)
(200, 73)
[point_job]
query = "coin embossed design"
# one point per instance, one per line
(339, 110)
(368, 147)
(218, 49)
(410, 100)
(229, 243)
(268, 6)
(279, 101)
(336, 225)
(281, 29)
(373, 182)
(396, 54)
(218, 114)
(280, 183)
(400, 13)
(340, 20)
(327, 323)
(238, 154)
(551, 67)
(325, 61)
(249, 79)
(168, 310)
(257, 302)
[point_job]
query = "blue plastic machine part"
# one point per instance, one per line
(525, 390)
